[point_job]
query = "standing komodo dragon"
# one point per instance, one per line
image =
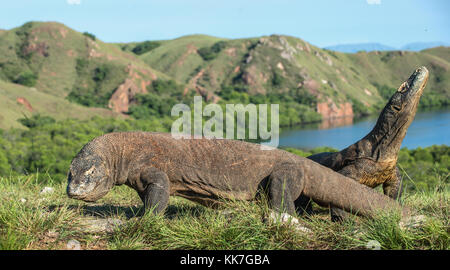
(207, 170)
(372, 160)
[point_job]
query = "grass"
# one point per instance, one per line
(31, 220)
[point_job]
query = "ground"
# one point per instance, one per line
(37, 214)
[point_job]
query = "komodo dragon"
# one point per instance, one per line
(372, 160)
(207, 170)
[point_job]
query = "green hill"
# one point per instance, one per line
(289, 66)
(64, 63)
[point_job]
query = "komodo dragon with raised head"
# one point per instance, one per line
(372, 161)
(208, 170)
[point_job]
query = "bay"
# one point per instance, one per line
(428, 128)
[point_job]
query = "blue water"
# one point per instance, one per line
(428, 128)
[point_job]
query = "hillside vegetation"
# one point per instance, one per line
(309, 83)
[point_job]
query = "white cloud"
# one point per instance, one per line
(73, 2)
(373, 2)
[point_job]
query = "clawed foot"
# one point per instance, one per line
(285, 218)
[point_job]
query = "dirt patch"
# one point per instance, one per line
(39, 48)
(94, 54)
(144, 85)
(101, 225)
(312, 86)
(63, 32)
(71, 53)
(25, 102)
(249, 76)
(120, 100)
(134, 84)
(110, 57)
(49, 29)
(280, 66)
(231, 52)
(191, 49)
(193, 84)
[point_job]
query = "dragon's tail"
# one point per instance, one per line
(329, 188)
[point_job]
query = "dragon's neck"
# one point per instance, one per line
(381, 143)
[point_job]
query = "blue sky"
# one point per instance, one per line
(320, 22)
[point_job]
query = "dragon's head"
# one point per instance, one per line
(88, 176)
(398, 114)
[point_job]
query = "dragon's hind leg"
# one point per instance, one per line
(284, 187)
(303, 205)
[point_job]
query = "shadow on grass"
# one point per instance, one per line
(172, 211)
(110, 211)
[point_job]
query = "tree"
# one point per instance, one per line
(209, 53)
(36, 120)
(27, 78)
(89, 35)
(145, 46)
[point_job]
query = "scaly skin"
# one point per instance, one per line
(372, 161)
(207, 170)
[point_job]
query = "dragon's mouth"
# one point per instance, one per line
(414, 86)
(91, 197)
(86, 194)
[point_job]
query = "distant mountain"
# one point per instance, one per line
(418, 46)
(357, 47)
(369, 47)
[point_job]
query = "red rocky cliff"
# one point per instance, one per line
(330, 110)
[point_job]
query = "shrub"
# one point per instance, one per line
(158, 102)
(36, 120)
(277, 79)
(385, 91)
(206, 53)
(359, 109)
(27, 78)
(23, 33)
(209, 53)
(145, 46)
(302, 96)
(89, 35)
(100, 73)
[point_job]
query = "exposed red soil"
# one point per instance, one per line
(25, 102)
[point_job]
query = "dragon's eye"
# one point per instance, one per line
(90, 171)
(396, 108)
